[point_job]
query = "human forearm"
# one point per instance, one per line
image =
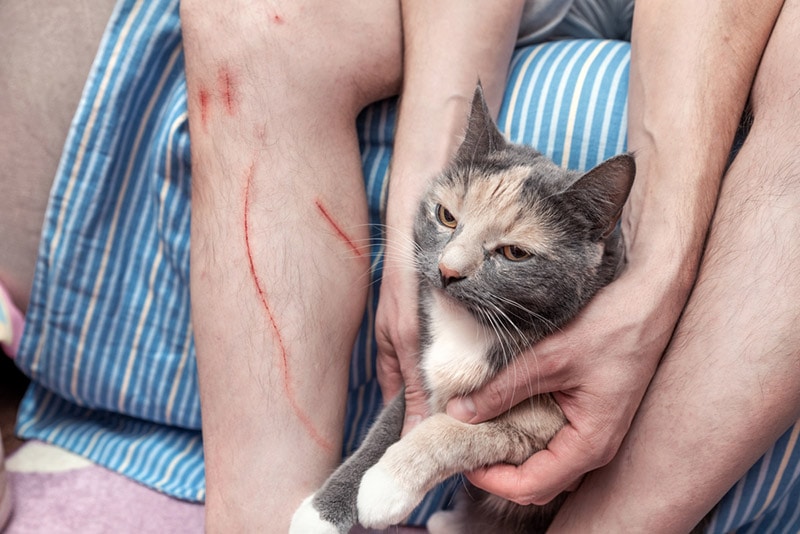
(726, 388)
(692, 67)
(448, 46)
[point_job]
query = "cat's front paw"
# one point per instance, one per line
(307, 520)
(383, 500)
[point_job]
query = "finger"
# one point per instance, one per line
(416, 409)
(416, 400)
(524, 378)
(390, 377)
(393, 382)
(545, 474)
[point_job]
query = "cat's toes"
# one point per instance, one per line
(382, 500)
(306, 520)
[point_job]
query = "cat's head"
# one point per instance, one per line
(520, 242)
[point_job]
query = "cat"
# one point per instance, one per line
(508, 248)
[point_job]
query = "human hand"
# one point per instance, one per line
(598, 368)
(397, 329)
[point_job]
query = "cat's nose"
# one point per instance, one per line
(449, 275)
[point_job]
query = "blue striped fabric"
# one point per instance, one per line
(108, 339)
(767, 498)
(115, 243)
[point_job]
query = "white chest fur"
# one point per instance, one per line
(456, 361)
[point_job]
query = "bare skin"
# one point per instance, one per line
(278, 289)
(250, 130)
(253, 123)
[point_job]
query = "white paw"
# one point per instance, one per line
(306, 520)
(382, 501)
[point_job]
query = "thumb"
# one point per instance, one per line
(416, 406)
(496, 397)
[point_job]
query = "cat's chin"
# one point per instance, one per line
(454, 304)
(448, 300)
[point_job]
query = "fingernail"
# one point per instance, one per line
(462, 409)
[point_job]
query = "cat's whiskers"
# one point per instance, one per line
(402, 256)
(552, 327)
(501, 332)
(518, 348)
(500, 325)
(408, 251)
(511, 356)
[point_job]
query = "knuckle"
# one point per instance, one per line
(496, 398)
(533, 496)
(605, 455)
(602, 448)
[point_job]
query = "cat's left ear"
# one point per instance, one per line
(482, 136)
(603, 191)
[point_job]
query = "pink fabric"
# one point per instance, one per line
(11, 324)
(92, 500)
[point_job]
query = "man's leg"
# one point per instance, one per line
(279, 239)
(728, 386)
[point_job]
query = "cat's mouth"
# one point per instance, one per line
(457, 295)
(458, 298)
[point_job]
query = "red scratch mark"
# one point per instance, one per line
(227, 90)
(204, 103)
(284, 359)
(337, 229)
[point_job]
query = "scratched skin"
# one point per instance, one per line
(225, 92)
(338, 230)
(205, 101)
(224, 95)
(284, 358)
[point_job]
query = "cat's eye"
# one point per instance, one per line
(514, 253)
(445, 217)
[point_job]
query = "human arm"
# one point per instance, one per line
(680, 128)
(448, 46)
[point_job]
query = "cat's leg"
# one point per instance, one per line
(332, 509)
(436, 449)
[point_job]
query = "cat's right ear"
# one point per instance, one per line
(603, 191)
(482, 136)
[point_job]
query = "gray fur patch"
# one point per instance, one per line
(336, 500)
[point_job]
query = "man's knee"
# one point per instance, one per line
(348, 52)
